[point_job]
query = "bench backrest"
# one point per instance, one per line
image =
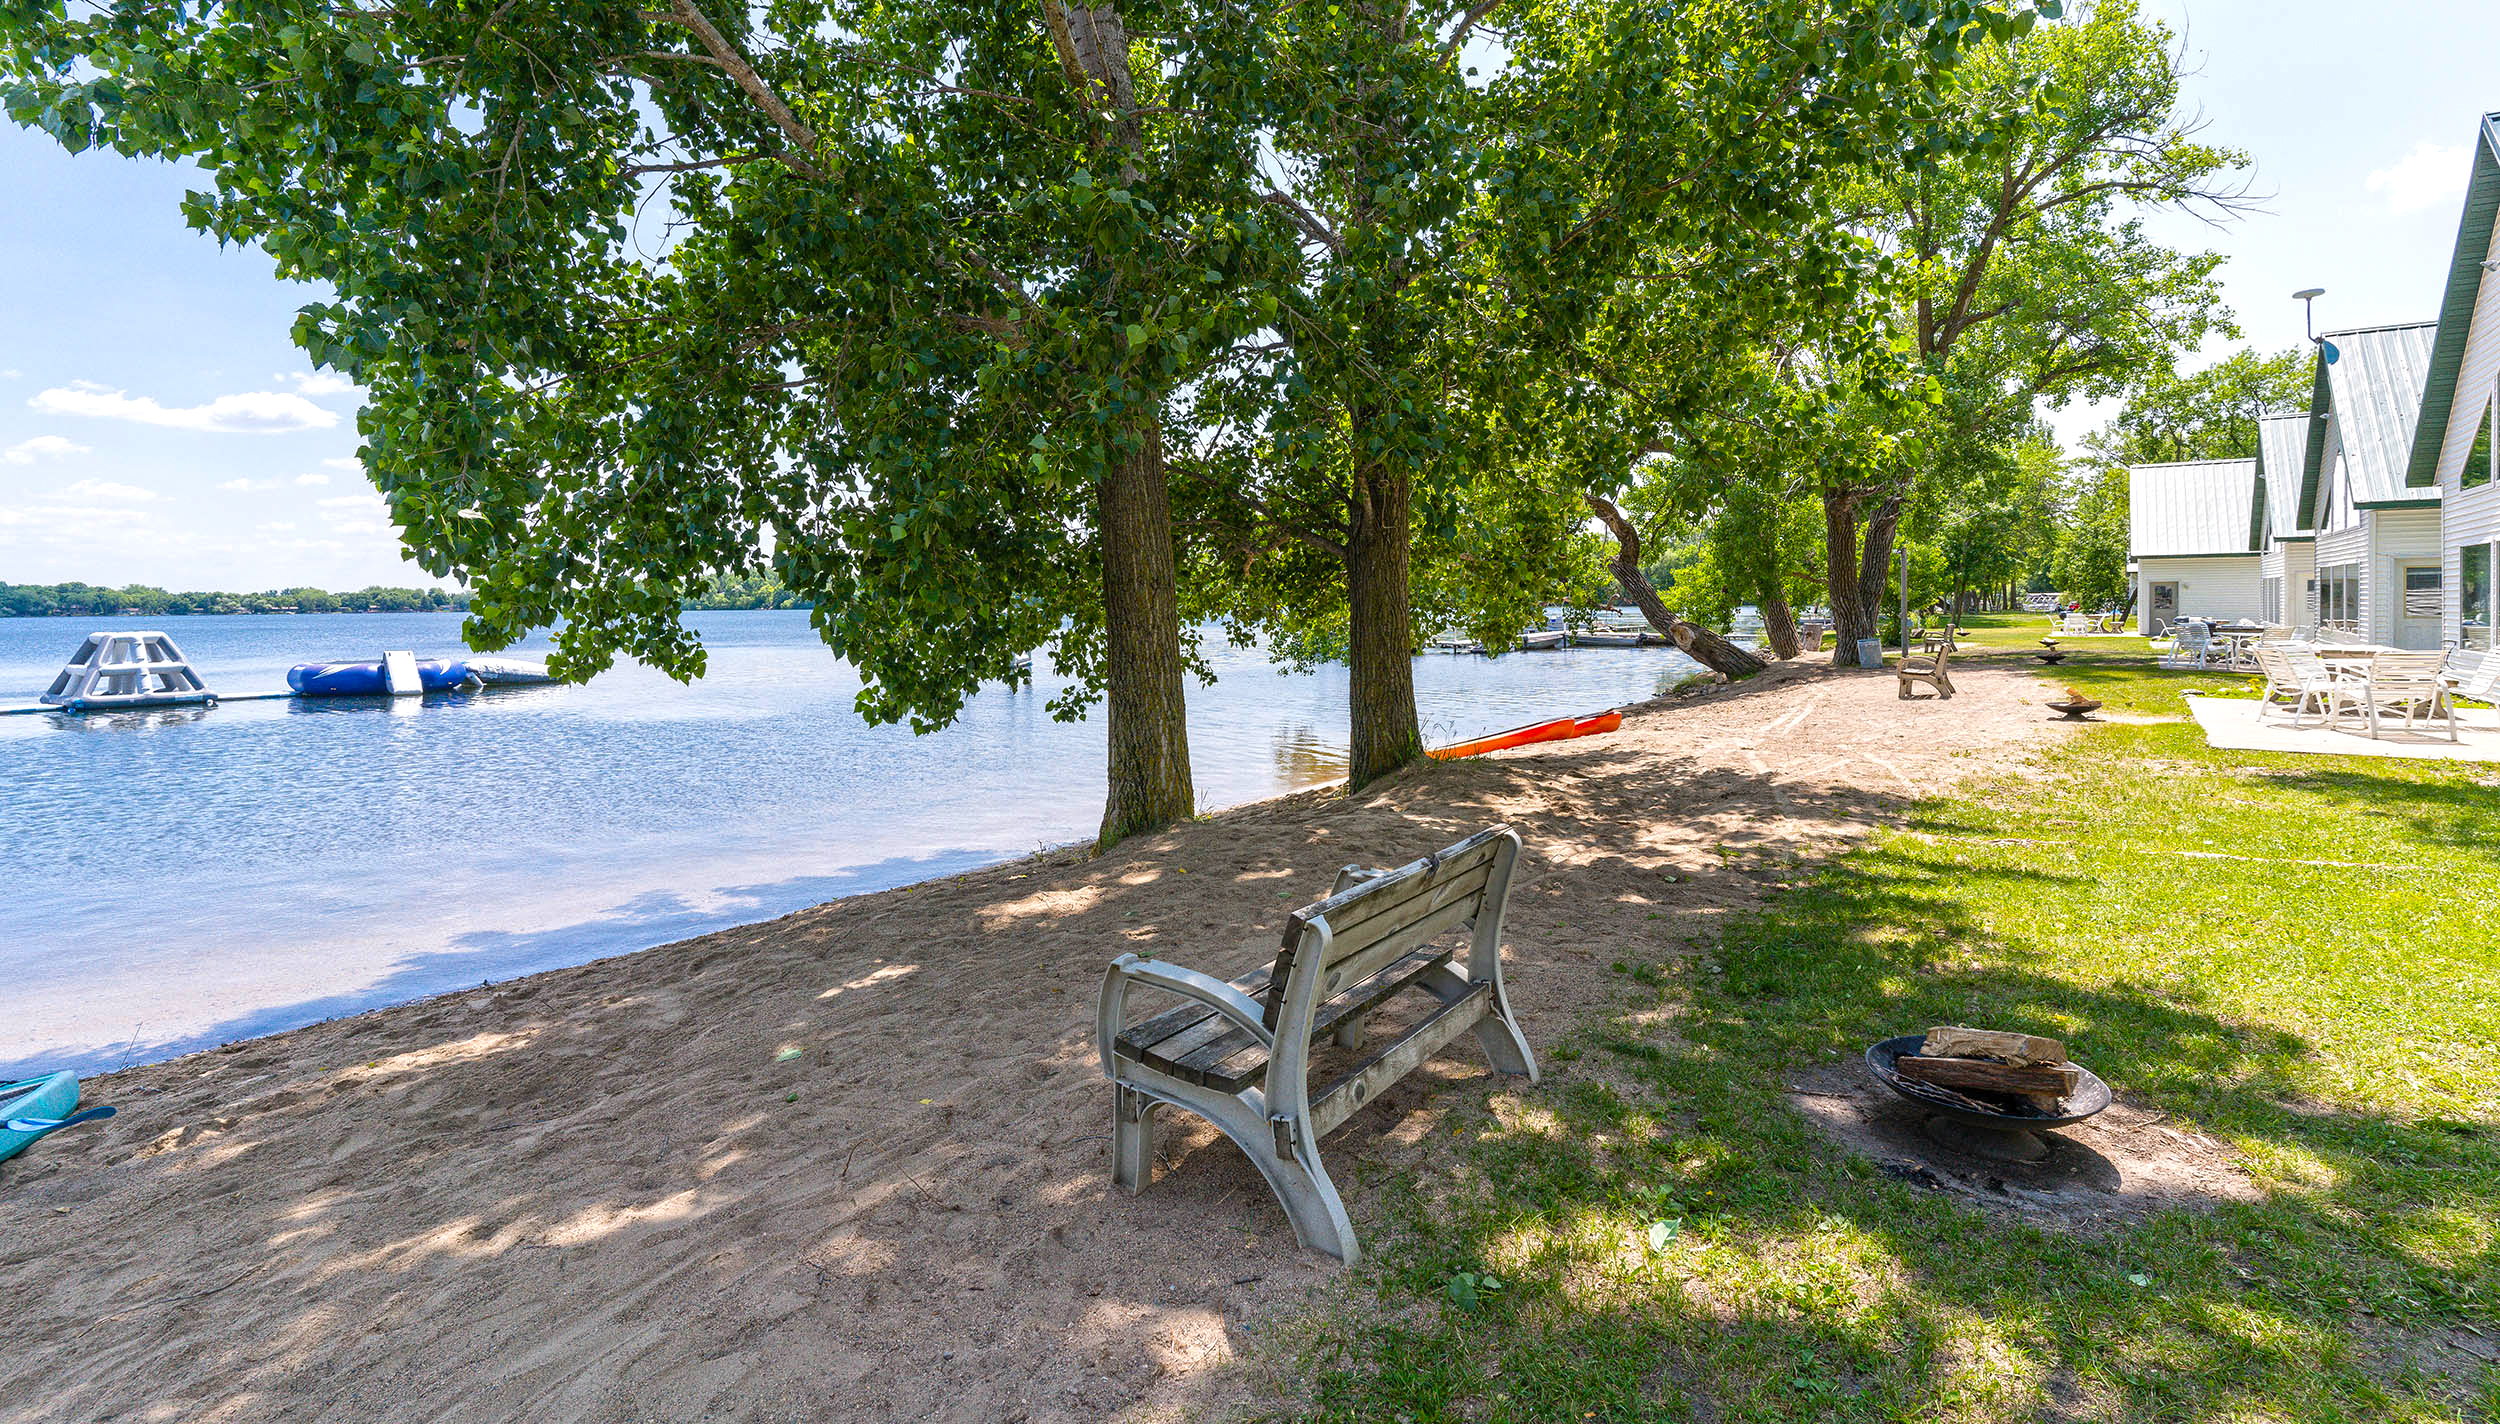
(1376, 918)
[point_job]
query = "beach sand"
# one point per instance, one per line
(854, 1163)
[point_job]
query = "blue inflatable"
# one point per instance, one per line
(367, 680)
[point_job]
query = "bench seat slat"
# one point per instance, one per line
(1147, 1032)
(1345, 1097)
(1209, 1050)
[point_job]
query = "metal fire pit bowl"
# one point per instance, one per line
(2005, 1136)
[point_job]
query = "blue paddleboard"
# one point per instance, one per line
(37, 1108)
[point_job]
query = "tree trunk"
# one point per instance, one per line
(1779, 621)
(1150, 780)
(1853, 617)
(1705, 647)
(1854, 568)
(1380, 633)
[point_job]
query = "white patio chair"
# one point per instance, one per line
(2294, 677)
(2466, 668)
(2337, 687)
(2412, 684)
(2191, 645)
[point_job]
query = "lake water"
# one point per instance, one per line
(175, 879)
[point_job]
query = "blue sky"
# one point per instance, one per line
(157, 425)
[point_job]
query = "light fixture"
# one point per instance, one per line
(2308, 297)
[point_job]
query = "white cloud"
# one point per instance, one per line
(251, 412)
(2429, 177)
(68, 526)
(105, 489)
(352, 501)
(11, 374)
(277, 526)
(345, 462)
(313, 478)
(41, 447)
(316, 383)
(249, 486)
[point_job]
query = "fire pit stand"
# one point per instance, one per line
(1967, 1125)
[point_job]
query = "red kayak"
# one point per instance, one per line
(1559, 730)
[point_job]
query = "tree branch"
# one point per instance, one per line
(683, 12)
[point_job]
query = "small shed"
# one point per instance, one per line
(2192, 539)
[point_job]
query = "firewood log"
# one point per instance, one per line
(2023, 1048)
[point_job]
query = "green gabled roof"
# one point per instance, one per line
(2374, 391)
(2456, 305)
(2313, 451)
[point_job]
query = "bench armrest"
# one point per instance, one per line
(1110, 1010)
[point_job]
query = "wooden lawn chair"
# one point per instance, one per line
(1238, 1053)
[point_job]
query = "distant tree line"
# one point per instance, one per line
(756, 591)
(36, 600)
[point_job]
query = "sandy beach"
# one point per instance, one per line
(854, 1163)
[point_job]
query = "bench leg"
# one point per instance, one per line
(1301, 1184)
(1504, 1048)
(1349, 1033)
(1310, 1199)
(1132, 1138)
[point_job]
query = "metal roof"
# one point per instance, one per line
(2282, 448)
(2456, 305)
(2374, 390)
(2196, 507)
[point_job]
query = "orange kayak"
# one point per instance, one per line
(1558, 730)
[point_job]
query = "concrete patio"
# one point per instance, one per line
(2233, 723)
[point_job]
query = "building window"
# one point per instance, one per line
(2339, 597)
(2474, 596)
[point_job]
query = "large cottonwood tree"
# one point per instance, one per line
(888, 300)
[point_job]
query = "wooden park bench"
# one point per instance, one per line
(1929, 669)
(1238, 1054)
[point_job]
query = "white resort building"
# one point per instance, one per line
(2287, 565)
(2378, 538)
(2192, 542)
(2451, 452)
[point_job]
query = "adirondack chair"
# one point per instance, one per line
(1238, 1054)
(1929, 669)
(2409, 684)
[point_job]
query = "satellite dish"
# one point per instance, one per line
(2331, 353)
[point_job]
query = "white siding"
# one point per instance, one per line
(2224, 588)
(2300, 564)
(2472, 517)
(2336, 511)
(2476, 374)
(2394, 534)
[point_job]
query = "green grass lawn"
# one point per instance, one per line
(1683, 1245)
